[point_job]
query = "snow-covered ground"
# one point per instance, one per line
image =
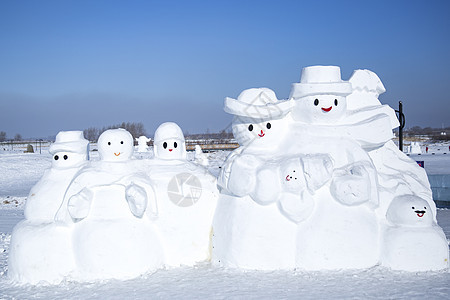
(20, 171)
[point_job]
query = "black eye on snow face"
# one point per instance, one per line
(56, 157)
(335, 102)
(109, 143)
(250, 127)
(121, 142)
(413, 207)
(175, 144)
(65, 157)
(268, 125)
(316, 102)
(165, 145)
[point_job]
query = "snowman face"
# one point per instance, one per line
(66, 160)
(262, 133)
(115, 145)
(292, 176)
(319, 109)
(410, 211)
(170, 149)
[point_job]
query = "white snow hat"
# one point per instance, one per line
(168, 131)
(316, 80)
(258, 103)
(69, 141)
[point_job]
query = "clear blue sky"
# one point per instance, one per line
(68, 65)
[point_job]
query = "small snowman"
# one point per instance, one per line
(105, 205)
(412, 240)
(187, 196)
(41, 250)
(169, 143)
(70, 153)
(142, 143)
(200, 157)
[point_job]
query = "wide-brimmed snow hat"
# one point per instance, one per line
(69, 141)
(316, 80)
(258, 103)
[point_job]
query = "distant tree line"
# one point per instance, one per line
(436, 134)
(17, 137)
(136, 130)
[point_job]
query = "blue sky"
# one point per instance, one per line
(67, 65)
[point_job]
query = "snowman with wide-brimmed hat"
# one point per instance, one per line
(320, 97)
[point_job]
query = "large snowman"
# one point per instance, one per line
(105, 205)
(249, 231)
(41, 250)
(343, 231)
(186, 196)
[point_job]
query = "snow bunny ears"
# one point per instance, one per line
(258, 103)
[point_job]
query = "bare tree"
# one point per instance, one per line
(91, 134)
(18, 137)
(2, 136)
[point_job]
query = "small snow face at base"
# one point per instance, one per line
(410, 210)
(115, 145)
(320, 109)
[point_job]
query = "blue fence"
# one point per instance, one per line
(440, 185)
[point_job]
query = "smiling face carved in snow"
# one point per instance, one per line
(247, 130)
(409, 210)
(320, 109)
(115, 145)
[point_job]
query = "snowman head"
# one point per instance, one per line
(115, 145)
(259, 117)
(409, 210)
(169, 142)
(320, 97)
(70, 150)
(259, 132)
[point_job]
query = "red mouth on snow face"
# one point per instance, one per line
(170, 150)
(327, 109)
(288, 178)
(420, 213)
(261, 134)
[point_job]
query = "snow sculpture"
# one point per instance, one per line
(200, 157)
(321, 187)
(169, 142)
(249, 229)
(70, 154)
(105, 206)
(186, 197)
(415, 148)
(412, 240)
(40, 249)
(142, 143)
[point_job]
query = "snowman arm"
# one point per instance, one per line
(79, 204)
(137, 199)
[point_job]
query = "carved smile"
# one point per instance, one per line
(327, 109)
(288, 178)
(117, 154)
(261, 134)
(170, 150)
(420, 213)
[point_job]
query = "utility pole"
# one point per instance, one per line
(401, 119)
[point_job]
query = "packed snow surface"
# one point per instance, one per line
(21, 171)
